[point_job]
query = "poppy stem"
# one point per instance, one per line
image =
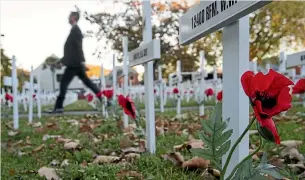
(234, 147)
(246, 158)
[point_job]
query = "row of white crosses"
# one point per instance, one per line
(207, 17)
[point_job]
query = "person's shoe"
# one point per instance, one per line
(56, 111)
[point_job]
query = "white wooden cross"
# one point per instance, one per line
(125, 73)
(296, 59)
(150, 50)
(208, 17)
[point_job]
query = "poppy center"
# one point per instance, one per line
(267, 101)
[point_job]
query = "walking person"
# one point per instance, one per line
(74, 61)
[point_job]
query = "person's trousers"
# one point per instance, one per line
(66, 80)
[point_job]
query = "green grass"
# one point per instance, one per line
(14, 166)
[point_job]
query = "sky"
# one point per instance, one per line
(36, 29)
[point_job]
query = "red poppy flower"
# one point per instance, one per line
(155, 91)
(175, 90)
(8, 97)
(99, 94)
(269, 96)
(34, 95)
(108, 93)
(299, 87)
(219, 96)
(90, 97)
(128, 105)
(209, 92)
(191, 91)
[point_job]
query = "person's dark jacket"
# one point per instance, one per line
(73, 49)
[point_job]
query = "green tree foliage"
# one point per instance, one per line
(275, 23)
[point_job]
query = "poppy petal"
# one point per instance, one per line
(261, 82)
(279, 82)
(246, 79)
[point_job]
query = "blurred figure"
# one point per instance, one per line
(74, 61)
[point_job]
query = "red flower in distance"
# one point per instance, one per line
(209, 92)
(269, 96)
(128, 105)
(34, 95)
(155, 91)
(99, 94)
(175, 90)
(90, 97)
(219, 96)
(191, 91)
(8, 97)
(299, 87)
(108, 93)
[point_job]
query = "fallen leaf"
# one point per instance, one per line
(48, 173)
(40, 130)
(54, 162)
(106, 159)
(28, 141)
(133, 150)
(132, 156)
(253, 132)
(46, 137)
(63, 140)
(291, 143)
(126, 173)
(196, 163)
(36, 125)
(39, 148)
(73, 122)
(125, 143)
(64, 163)
(85, 128)
(84, 164)
(214, 172)
(13, 133)
(176, 158)
(71, 145)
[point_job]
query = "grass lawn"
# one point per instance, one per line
(23, 154)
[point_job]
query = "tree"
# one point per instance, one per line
(6, 66)
(129, 22)
(269, 26)
(51, 62)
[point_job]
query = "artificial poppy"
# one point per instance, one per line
(191, 91)
(128, 105)
(299, 87)
(108, 93)
(219, 96)
(155, 91)
(209, 92)
(175, 90)
(99, 94)
(89, 97)
(269, 96)
(8, 97)
(34, 95)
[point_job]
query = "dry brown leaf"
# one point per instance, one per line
(291, 143)
(83, 121)
(125, 143)
(106, 159)
(40, 130)
(130, 128)
(13, 133)
(214, 172)
(28, 141)
(297, 167)
(125, 173)
(73, 122)
(93, 126)
(293, 153)
(159, 131)
(132, 156)
(36, 125)
(9, 125)
(63, 140)
(85, 128)
(176, 158)
(71, 145)
(253, 132)
(133, 150)
(275, 161)
(196, 163)
(84, 164)
(48, 173)
(39, 148)
(51, 146)
(64, 163)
